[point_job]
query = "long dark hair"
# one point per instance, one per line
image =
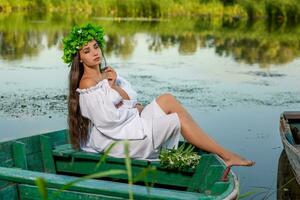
(78, 125)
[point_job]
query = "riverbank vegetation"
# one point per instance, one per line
(288, 10)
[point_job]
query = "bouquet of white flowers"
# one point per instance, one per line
(179, 159)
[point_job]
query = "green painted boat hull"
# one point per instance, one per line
(51, 157)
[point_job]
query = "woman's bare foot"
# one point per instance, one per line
(236, 160)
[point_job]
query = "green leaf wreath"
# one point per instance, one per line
(80, 36)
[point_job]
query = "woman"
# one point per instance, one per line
(103, 110)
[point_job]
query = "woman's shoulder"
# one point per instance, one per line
(87, 85)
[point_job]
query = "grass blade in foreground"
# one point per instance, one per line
(129, 170)
(106, 152)
(41, 184)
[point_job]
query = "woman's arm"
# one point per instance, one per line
(122, 93)
(111, 75)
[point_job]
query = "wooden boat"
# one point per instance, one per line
(287, 186)
(290, 136)
(51, 157)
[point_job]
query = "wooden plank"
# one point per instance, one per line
(19, 154)
(102, 187)
(32, 144)
(78, 162)
(6, 146)
(84, 167)
(31, 192)
(109, 159)
(35, 162)
(140, 162)
(292, 154)
(213, 175)
(292, 115)
(219, 187)
(294, 158)
(31, 161)
(59, 137)
(9, 193)
(8, 163)
(198, 177)
(4, 155)
(63, 147)
(46, 149)
(66, 150)
(3, 184)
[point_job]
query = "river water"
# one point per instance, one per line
(234, 87)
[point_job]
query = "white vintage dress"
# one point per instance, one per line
(147, 133)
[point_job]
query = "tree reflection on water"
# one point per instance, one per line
(258, 42)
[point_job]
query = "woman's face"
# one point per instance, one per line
(90, 54)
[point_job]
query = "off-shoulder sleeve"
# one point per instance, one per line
(96, 105)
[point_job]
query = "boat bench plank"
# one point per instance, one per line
(161, 177)
(67, 151)
(32, 192)
(71, 161)
(68, 160)
(101, 187)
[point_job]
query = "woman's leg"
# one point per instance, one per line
(195, 135)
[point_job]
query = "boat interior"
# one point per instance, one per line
(52, 153)
(292, 132)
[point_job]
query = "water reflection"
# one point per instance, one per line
(252, 43)
(120, 45)
(253, 51)
(287, 187)
(15, 45)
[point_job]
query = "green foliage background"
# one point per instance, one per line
(288, 10)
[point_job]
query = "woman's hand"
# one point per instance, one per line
(111, 76)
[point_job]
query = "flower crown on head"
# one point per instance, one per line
(80, 36)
